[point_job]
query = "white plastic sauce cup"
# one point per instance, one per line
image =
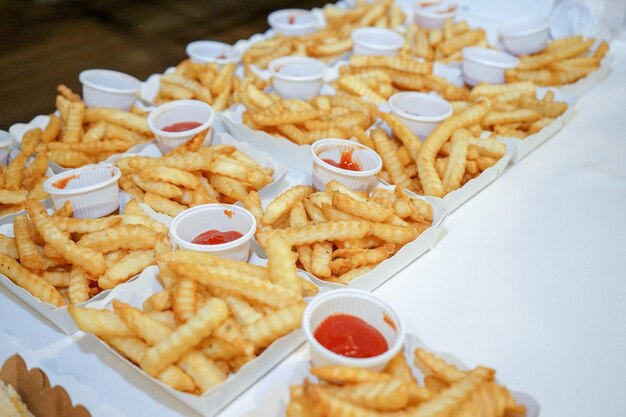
(297, 77)
(180, 111)
(192, 222)
(420, 112)
(363, 305)
(323, 172)
(93, 190)
(483, 65)
(212, 51)
(293, 22)
(433, 14)
(376, 41)
(525, 36)
(107, 88)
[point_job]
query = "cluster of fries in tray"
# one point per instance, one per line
(212, 317)
(395, 391)
(192, 175)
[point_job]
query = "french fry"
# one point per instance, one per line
(22, 277)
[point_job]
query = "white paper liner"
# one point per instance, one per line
(59, 316)
(387, 268)
(215, 399)
(531, 142)
(275, 401)
(19, 129)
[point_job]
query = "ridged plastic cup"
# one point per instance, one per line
(376, 41)
(434, 15)
(223, 217)
(93, 191)
(297, 76)
(176, 112)
(293, 22)
(212, 51)
(483, 65)
(420, 112)
(107, 88)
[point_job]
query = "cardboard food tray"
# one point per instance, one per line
(594, 78)
(34, 388)
(389, 267)
(215, 399)
(275, 401)
(59, 316)
(19, 129)
(532, 142)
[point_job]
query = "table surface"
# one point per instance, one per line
(528, 277)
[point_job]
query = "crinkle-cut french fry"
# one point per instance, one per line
(388, 395)
(449, 46)
(163, 189)
(242, 311)
(134, 348)
(35, 171)
(363, 209)
(73, 123)
(545, 108)
(202, 370)
(355, 86)
(129, 237)
(233, 280)
(275, 325)
(393, 62)
(340, 230)
(321, 257)
(187, 336)
(184, 299)
(228, 186)
(230, 332)
(363, 257)
(78, 289)
(52, 130)
(288, 117)
(431, 182)
(352, 274)
(232, 168)
(118, 117)
(520, 115)
(13, 196)
(92, 262)
(284, 202)
(391, 162)
(489, 147)
(66, 92)
(22, 277)
(132, 209)
(171, 175)
(392, 233)
(95, 133)
(411, 142)
(92, 148)
(217, 349)
(14, 172)
(103, 323)
(75, 225)
(212, 260)
(281, 262)
(8, 247)
(399, 368)
(141, 324)
(328, 404)
(158, 302)
(524, 87)
(344, 375)
(456, 161)
(130, 265)
(163, 205)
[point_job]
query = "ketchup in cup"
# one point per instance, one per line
(350, 336)
(345, 162)
(216, 237)
(181, 126)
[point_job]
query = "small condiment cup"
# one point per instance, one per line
(363, 305)
(297, 76)
(525, 36)
(107, 88)
(177, 112)
(323, 172)
(6, 140)
(420, 112)
(92, 190)
(376, 41)
(483, 65)
(433, 14)
(212, 51)
(223, 217)
(293, 22)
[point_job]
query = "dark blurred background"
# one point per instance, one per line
(47, 42)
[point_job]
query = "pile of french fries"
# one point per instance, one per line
(328, 43)
(564, 61)
(339, 234)
(376, 78)
(63, 260)
(212, 317)
(304, 122)
(447, 391)
(214, 85)
(21, 180)
(79, 136)
(192, 175)
(442, 45)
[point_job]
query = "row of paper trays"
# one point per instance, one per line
(263, 147)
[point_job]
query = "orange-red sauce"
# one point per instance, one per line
(350, 336)
(291, 19)
(62, 183)
(389, 321)
(345, 162)
(448, 10)
(229, 213)
(216, 237)
(181, 126)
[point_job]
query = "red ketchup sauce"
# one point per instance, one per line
(62, 183)
(350, 336)
(345, 162)
(216, 237)
(181, 126)
(291, 19)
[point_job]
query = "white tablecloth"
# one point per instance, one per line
(529, 277)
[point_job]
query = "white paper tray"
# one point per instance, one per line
(387, 268)
(532, 142)
(212, 401)
(275, 401)
(59, 315)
